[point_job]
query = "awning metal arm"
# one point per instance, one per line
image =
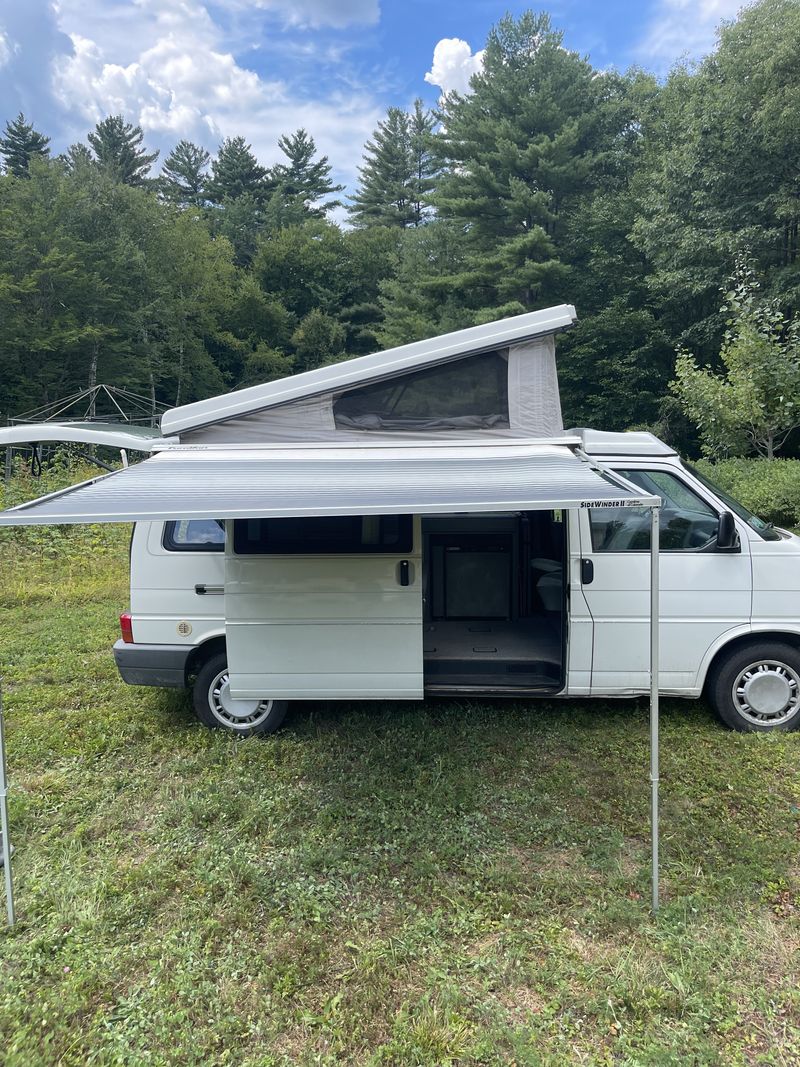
(6, 843)
(654, 709)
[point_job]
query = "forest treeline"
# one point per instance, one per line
(552, 181)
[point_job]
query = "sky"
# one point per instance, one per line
(208, 69)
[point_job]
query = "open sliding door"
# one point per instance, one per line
(324, 607)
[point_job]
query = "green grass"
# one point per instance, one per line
(447, 883)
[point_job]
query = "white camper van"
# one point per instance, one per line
(418, 521)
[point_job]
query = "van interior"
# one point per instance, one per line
(494, 615)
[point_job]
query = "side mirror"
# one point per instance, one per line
(727, 537)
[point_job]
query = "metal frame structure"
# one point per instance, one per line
(81, 406)
(132, 424)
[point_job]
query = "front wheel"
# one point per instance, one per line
(214, 705)
(757, 688)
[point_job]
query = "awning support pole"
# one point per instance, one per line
(654, 546)
(4, 820)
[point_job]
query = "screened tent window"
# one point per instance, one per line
(686, 522)
(194, 535)
(339, 533)
(469, 393)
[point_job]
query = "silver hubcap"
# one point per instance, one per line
(235, 714)
(767, 693)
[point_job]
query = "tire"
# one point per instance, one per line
(756, 688)
(215, 708)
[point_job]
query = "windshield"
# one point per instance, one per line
(762, 528)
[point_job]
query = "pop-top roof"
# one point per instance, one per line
(630, 443)
(365, 369)
(229, 483)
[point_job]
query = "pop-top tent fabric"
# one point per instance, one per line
(495, 380)
(193, 483)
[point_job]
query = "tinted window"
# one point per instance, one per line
(686, 522)
(467, 393)
(339, 533)
(195, 535)
(762, 528)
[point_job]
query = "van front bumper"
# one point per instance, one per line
(159, 665)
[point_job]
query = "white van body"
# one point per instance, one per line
(713, 603)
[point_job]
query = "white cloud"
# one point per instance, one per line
(334, 13)
(453, 65)
(178, 86)
(173, 73)
(684, 28)
(5, 50)
(30, 40)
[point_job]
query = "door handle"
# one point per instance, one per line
(404, 572)
(209, 590)
(587, 572)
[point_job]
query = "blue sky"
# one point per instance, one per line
(208, 69)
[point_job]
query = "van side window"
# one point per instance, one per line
(686, 522)
(318, 535)
(194, 535)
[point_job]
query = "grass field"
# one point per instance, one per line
(448, 883)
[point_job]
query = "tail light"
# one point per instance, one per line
(126, 626)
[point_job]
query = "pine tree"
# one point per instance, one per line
(183, 176)
(521, 148)
(236, 171)
(418, 300)
(397, 176)
(77, 156)
(424, 165)
(118, 149)
(20, 144)
(242, 221)
(305, 179)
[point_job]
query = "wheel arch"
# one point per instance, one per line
(736, 640)
(201, 653)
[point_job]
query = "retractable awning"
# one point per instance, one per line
(232, 482)
(228, 483)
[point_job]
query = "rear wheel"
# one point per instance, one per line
(757, 688)
(215, 707)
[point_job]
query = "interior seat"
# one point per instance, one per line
(550, 588)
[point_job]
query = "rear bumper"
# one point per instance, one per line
(159, 665)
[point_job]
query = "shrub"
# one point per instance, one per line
(770, 488)
(78, 541)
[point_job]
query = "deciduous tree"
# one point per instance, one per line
(755, 403)
(720, 174)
